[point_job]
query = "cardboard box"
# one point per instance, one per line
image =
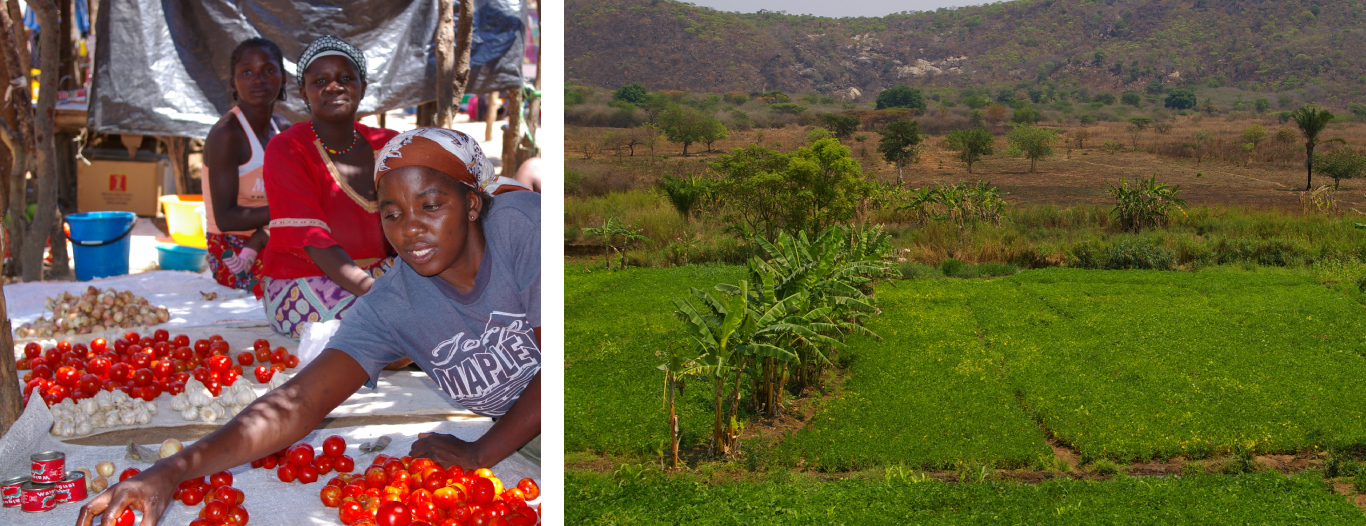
(119, 186)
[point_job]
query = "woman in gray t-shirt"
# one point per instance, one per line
(464, 304)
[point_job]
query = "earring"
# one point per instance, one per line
(234, 94)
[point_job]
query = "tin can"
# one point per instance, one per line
(10, 492)
(47, 467)
(71, 488)
(39, 497)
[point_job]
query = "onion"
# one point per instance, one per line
(99, 484)
(170, 447)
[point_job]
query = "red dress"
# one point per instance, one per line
(310, 205)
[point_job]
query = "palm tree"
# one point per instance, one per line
(1311, 121)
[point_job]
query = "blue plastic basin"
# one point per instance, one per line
(180, 257)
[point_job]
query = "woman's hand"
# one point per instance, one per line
(149, 492)
(447, 451)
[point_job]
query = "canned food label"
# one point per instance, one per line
(47, 471)
(71, 489)
(41, 499)
(10, 495)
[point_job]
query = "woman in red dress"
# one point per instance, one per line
(326, 245)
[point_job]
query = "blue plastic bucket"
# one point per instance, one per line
(177, 257)
(99, 242)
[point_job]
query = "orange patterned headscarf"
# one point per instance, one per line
(450, 152)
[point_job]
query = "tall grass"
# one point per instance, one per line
(1030, 236)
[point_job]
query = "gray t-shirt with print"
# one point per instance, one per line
(479, 347)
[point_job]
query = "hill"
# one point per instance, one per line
(1294, 47)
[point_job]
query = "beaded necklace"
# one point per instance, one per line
(330, 151)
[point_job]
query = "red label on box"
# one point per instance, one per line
(118, 183)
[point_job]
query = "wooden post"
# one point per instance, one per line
(490, 115)
(512, 138)
(178, 151)
(452, 58)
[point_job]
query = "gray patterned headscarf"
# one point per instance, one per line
(327, 46)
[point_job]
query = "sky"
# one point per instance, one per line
(834, 8)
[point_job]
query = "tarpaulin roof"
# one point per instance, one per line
(162, 67)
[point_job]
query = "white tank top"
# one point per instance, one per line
(251, 187)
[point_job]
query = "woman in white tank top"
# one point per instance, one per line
(234, 193)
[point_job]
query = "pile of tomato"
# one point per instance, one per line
(418, 492)
(143, 366)
(300, 462)
(222, 502)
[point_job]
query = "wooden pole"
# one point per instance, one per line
(452, 58)
(512, 138)
(44, 156)
(490, 115)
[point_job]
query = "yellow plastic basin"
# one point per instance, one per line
(185, 223)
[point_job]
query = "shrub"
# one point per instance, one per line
(787, 108)
(1180, 99)
(901, 97)
(633, 93)
(957, 269)
(1147, 205)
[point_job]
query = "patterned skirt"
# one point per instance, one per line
(290, 303)
(223, 246)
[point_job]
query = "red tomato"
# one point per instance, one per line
(162, 350)
(375, 477)
(238, 515)
(181, 340)
(90, 383)
(344, 463)
(163, 369)
(127, 473)
(191, 496)
(291, 361)
(349, 512)
(120, 346)
(270, 461)
(245, 358)
(400, 478)
(425, 513)
(279, 355)
(334, 446)
(263, 355)
(481, 491)
(150, 392)
(230, 376)
(433, 479)
(287, 473)
(214, 387)
(140, 360)
(42, 371)
(220, 479)
(142, 377)
(308, 474)
(219, 363)
(331, 496)
(119, 371)
(228, 495)
(182, 353)
(418, 497)
(215, 511)
(301, 454)
(161, 335)
(393, 514)
(264, 373)
(447, 497)
(68, 376)
(324, 464)
(126, 519)
(219, 348)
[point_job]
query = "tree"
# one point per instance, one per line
(995, 114)
(643, 135)
(843, 126)
(900, 144)
(1261, 105)
(1252, 136)
(1033, 143)
(612, 230)
(1081, 135)
(1342, 163)
(971, 144)
(1026, 115)
(686, 125)
(1136, 127)
(1104, 98)
(1311, 121)
(1131, 98)
(633, 93)
(901, 97)
(452, 68)
(684, 193)
(1180, 99)
(828, 182)
(754, 189)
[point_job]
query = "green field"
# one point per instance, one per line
(1263, 498)
(1125, 366)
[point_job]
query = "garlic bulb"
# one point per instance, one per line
(104, 399)
(190, 413)
(128, 417)
(144, 416)
(119, 397)
(84, 428)
(111, 419)
(244, 397)
(151, 408)
(278, 380)
(89, 406)
(200, 397)
(179, 402)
